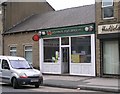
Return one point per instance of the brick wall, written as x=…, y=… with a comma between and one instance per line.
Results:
x=20, y=40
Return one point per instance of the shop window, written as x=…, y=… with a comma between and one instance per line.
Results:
x=13, y=51
x=81, y=49
x=28, y=54
x=51, y=50
x=107, y=9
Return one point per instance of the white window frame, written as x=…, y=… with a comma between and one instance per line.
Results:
x=105, y=7
x=28, y=51
x=12, y=50
x=50, y=39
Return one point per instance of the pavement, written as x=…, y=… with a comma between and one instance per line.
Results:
x=83, y=83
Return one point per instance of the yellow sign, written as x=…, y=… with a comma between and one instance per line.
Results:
x=75, y=58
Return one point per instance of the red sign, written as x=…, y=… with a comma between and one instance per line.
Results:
x=36, y=37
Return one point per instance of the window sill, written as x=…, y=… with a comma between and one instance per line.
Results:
x=107, y=18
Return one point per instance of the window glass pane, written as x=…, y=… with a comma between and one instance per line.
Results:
x=20, y=64
x=108, y=12
x=51, y=50
x=28, y=56
x=28, y=48
x=13, y=51
x=13, y=48
x=65, y=41
x=28, y=53
x=0, y=62
x=81, y=50
x=4, y=64
x=107, y=2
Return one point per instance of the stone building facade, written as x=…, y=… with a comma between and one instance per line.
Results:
x=108, y=38
x=20, y=43
x=66, y=42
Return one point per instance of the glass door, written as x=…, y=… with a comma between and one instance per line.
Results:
x=65, y=59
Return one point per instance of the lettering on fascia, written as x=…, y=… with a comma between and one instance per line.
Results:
x=67, y=31
x=111, y=28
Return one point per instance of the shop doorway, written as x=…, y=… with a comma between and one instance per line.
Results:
x=65, y=60
x=111, y=57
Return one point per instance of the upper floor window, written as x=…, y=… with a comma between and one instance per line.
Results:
x=107, y=9
x=13, y=51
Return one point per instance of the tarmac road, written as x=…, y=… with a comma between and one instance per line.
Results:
x=8, y=89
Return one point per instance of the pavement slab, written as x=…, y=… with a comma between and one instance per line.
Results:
x=87, y=83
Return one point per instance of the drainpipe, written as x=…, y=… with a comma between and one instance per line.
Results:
x=0, y=34
x=4, y=4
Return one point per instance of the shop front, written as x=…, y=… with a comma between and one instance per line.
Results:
x=109, y=36
x=68, y=50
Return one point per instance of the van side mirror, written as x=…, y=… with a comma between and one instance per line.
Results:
x=31, y=66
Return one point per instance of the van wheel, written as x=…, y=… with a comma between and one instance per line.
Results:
x=15, y=83
x=37, y=85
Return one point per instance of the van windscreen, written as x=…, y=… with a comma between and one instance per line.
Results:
x=20, y=64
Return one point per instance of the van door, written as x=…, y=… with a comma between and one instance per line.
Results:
x=6, y=73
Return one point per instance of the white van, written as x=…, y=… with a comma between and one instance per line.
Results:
x=17, y=71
